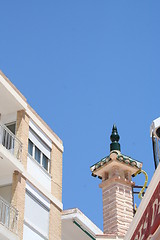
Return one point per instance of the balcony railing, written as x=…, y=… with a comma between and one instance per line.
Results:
x=8, y=216
x=10, y=141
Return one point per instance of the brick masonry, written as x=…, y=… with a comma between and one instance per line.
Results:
x=19, y=182
x=55, y=223
x=56, y=172
x=56, y=190
x=18, y=199
x=117, y=208
x=22, y=133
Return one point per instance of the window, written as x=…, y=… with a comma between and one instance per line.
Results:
x=45, y=162
x=38, y=155
x=11, y=127
x=30, y=147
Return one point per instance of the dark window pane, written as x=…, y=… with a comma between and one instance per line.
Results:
x=45, y=162
x=12, y=127
x=37, y=154
x=30, y=147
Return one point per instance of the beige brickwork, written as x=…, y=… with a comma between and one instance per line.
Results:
x=117, y=208
x=55, y=223
x=19, y=182
x=56, y=172
x=56, y=190
x=117, y=198
x=18, y=199
x=22, y=133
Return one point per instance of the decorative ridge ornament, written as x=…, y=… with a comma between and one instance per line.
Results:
x=115, y=139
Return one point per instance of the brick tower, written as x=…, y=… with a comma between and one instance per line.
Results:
x=115, y=171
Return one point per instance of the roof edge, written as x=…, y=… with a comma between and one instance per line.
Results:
x=29, y=110
x=120, y=157
x=13, y=86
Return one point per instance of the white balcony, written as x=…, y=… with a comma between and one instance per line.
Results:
x=8, y=216
x=10, y=141
x=8, y=221
x=10, y=155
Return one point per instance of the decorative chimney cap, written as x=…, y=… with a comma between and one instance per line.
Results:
x=114, y=139
x=96, y=169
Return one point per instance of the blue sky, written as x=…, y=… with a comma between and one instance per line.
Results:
x=84, y=65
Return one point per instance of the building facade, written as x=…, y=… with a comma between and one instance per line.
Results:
x=146, y=223
x=30, y=171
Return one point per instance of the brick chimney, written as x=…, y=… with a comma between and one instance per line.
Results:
x=115, y=171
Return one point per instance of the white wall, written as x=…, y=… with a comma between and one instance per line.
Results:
x=38, y=173
x=8, y=118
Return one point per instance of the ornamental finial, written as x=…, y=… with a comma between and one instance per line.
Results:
x=114, y=139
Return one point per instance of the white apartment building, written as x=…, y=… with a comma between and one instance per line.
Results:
x=30, y=171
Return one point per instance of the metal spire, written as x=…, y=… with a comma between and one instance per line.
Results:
x=114, y=139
